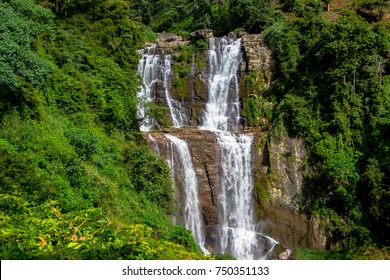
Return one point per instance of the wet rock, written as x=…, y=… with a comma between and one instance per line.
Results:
x=284, y=255
x=232, y=35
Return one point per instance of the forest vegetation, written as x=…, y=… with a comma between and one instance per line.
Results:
x=77, y=180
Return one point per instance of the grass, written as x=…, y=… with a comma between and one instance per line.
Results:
x=366, y=253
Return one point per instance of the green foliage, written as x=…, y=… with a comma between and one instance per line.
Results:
x=295, y=6
x=22, y=23
x=251, y=15
x=149, y=175
x=329, y=82
x=374, y=9
x=97, y=61
x=86, y=144
x=262, y=191
x=257, y=111
x=183, y=16
x=365, y=253
x=43, y=232
x=77, y=180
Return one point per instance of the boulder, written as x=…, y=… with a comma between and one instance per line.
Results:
x=170, y=41
x=202, y=34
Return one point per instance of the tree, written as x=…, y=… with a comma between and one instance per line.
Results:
x=374, y=6
x=327, y=2
x=19, y=63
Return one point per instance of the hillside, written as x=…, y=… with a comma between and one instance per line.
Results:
x=77, y=180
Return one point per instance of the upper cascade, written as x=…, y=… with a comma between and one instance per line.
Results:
x=155, y=68
x=148, y=71
x=222, y=111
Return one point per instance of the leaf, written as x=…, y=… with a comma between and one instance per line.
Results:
x=43, y=241
x=74, y=245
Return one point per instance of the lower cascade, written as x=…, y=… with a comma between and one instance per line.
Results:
x=233, y=227
x=236, y=216
x=192, y=213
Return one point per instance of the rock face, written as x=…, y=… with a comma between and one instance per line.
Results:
x=202, y=34
x=286, y=157
x=258, y=58
x=171, y=41
x=257, y=53
x=192, y=89
x=279, y=176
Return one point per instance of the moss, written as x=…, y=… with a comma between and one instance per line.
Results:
x=257, y=111
x=200, y=59
x=181, y=69
x=255, y=82
x=201, y=44
x=180, y=86
x=288, y=155
x=262, y=190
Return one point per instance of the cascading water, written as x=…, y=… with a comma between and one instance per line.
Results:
x=148, y=71
x=238, y=235
x=236, y=217
x=176, y=110
x=151, y=68
x=223, y=106
x=185, y=169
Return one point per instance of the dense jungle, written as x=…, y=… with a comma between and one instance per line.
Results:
x=77, y=178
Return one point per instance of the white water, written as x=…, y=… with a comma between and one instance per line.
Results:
x=148, y=71
x=153, y=67
x=176, y=110
x=192, y=214
x=223, y=106
x=236, y=217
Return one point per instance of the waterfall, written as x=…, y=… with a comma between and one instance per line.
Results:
x=238, y=232
x=236, y=215
x=176, y=110
x=222, y=114
x=238, y=235
x=223, y=106
x=185, y=169
x=148, y=71
x=153, y=68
